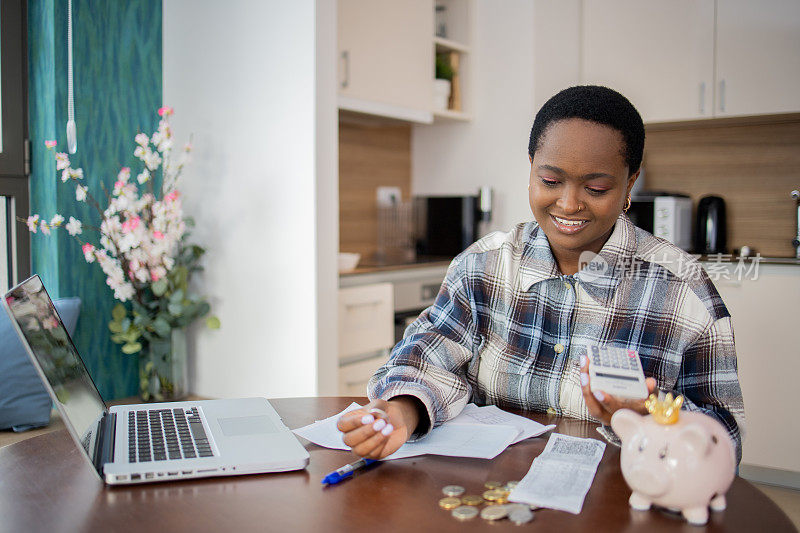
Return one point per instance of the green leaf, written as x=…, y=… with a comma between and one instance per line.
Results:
x=118, y=338
x=203, y=309
x=131, y=348
x=132, y=334
x=148, y=367
x=213, y=322
x=115, y=327
x=118, y=313
x=161, y=327
x=175, y=309
x=160, y=287
x=176, y=297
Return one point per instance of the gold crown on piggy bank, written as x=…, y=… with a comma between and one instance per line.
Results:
x=664, y=411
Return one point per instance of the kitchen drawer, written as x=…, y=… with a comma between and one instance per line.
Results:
x=366, y=319
x=353, y=377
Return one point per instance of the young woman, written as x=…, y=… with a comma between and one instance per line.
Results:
x=513, y=305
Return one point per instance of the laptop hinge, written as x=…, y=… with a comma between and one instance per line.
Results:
x=104, y=449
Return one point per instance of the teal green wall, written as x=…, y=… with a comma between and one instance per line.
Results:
x=117, y=57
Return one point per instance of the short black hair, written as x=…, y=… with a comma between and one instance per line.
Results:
x=596, y=104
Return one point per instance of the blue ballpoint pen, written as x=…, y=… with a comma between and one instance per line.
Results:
x=346, y=471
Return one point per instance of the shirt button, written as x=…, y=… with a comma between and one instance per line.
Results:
x=568, y=286
x=558, y=348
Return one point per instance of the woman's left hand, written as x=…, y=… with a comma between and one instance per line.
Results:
x=602, y=405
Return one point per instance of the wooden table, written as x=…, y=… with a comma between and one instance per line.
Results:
x=46, y=486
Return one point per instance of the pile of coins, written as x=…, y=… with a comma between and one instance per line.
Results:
x=495, y=498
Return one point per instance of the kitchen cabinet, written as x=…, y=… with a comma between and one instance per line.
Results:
x=386, y=58
x=665, y=58
x=764, y=316
x=366, y=333
x=758, y=57
x=658, y=54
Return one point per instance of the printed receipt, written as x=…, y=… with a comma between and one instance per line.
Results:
x=561, y=476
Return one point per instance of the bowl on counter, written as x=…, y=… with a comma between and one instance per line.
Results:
x=348, y=261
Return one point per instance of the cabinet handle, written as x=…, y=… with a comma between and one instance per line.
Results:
x=373, y=303
x=702, y=98
x=346, y=59
x=722, y=95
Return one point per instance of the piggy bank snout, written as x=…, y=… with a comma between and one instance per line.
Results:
x=649, y=481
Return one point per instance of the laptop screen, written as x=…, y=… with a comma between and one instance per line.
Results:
x=49, y=342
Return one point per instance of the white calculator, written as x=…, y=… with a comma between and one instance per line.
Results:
x=617, y=371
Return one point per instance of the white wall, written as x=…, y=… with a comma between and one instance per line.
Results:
x=523, y=52
x=242, y=77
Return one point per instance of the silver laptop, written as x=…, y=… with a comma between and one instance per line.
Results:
x=143, y=443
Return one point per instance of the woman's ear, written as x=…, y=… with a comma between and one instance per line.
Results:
x=632, y=179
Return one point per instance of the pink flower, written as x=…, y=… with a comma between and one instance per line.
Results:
x=166, y=110
x=124, y=174
x=130, y=224
x=88, y=252
x=154, y=275
x=158, y=235
x=33, y=223
x=171, y=197
x=50, y=144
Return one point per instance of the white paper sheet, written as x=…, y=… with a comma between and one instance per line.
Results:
x=467, y=438
x=562, y=475
x=491, y=414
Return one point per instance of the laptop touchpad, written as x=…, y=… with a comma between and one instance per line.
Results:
x=246, y=425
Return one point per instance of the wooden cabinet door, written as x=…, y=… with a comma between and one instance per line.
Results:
x=386, y=51
x=758, y=57
x=660, y=55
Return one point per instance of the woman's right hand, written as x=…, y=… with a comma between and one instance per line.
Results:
x=375, y=438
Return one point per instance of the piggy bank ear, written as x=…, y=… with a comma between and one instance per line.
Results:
x=696, y=437
x=625, y=423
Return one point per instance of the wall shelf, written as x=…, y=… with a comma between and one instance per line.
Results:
x=448, y=45
x=446, y=115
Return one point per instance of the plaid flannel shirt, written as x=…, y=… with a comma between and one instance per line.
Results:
x=503, y=327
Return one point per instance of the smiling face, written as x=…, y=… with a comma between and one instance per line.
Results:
x=578, y=186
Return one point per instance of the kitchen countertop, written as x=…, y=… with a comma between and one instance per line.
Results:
x=370, y=265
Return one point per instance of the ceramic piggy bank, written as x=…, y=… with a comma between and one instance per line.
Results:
x=684, y=461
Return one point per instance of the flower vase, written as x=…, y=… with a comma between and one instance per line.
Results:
x=163, y=370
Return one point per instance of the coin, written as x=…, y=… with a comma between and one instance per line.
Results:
x=472, y=500
x=492, y=495
x=492, y=484
x=464, y=512
x=520, y=515
x=453, y=490
x=494, y=512
x=449, y=503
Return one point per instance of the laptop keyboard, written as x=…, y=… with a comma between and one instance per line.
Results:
x=166, y=434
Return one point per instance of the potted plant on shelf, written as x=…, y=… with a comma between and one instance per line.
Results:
x=442, y=85
x=142, y=248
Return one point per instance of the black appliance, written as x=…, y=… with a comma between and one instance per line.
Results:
x=711, y=227
x=445, y=225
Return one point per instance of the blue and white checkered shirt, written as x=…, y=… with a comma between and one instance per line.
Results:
x=505, y=321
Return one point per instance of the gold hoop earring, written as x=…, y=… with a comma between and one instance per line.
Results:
x=627, y=205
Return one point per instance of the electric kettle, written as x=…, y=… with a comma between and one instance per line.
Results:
x=711, y=227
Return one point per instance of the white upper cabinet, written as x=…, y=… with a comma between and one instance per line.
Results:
x=659, y=54
x=758, y=57
x=386, y=57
